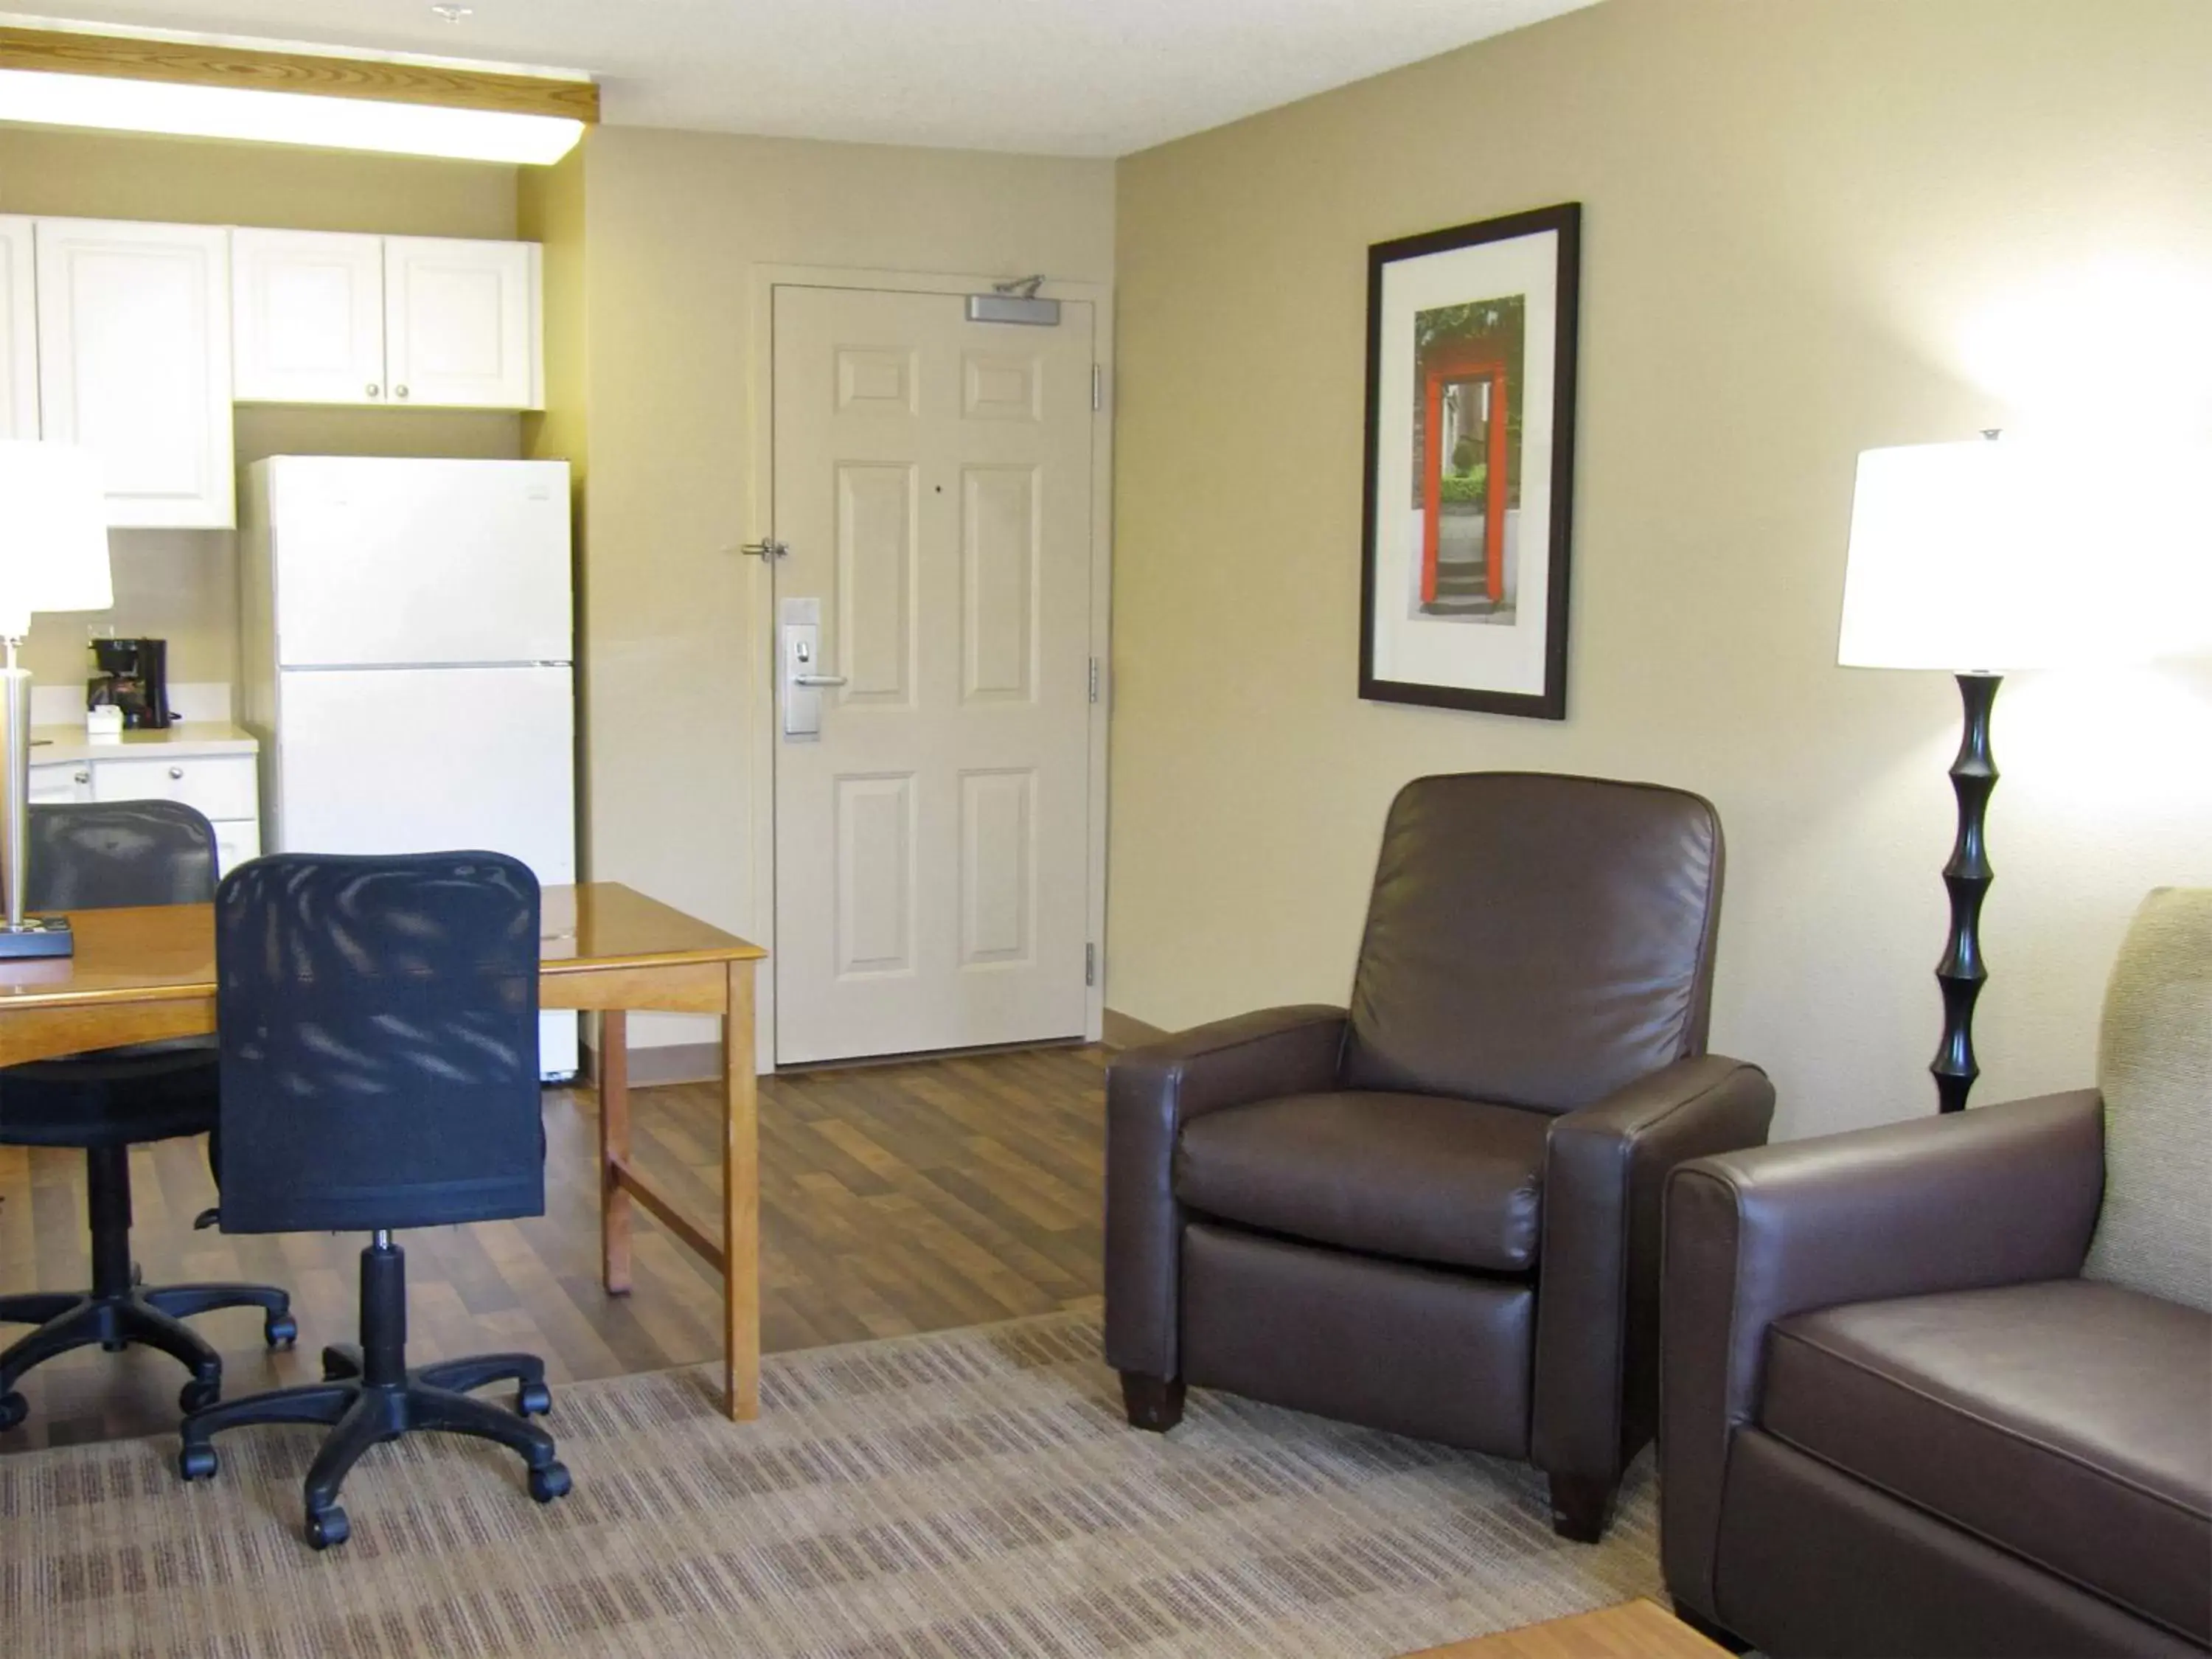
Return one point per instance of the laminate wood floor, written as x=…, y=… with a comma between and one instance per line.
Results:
x=894, y=1198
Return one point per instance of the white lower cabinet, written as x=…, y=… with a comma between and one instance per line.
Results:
x=68, y=780
x=236, y=840
x=223, y=787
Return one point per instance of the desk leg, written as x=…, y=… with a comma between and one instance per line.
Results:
x=614, y=1150
x=741, y=1198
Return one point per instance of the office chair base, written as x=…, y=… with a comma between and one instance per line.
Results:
x=362, y=1414
x=115, y=1319
x=369, y=1396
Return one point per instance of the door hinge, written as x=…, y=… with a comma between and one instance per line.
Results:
x=1090, y=964
x=1097, y=388
x=1094, y=679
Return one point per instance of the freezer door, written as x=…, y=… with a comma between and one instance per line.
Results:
x=425, y=760
x=381, y=561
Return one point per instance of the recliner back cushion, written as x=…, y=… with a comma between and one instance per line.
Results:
x=1535, y=940
x=2155, y=1067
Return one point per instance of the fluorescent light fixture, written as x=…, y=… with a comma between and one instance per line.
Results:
x=284, y=117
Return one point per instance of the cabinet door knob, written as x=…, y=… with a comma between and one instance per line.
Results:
x=82, y=777
x=176, y=771
x=374, y=390
x=399, y=391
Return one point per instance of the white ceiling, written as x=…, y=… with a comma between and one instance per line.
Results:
x=1066, y=77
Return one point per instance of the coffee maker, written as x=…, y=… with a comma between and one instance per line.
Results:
x=134, y=676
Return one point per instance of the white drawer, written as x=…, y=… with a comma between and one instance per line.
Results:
x=220, y=786
x=236, y=840
x=63, y=782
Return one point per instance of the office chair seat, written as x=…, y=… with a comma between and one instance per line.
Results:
x=112, y=1097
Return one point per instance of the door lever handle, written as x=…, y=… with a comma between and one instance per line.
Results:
x=817, y=679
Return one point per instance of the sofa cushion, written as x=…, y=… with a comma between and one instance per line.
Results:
x=2067, y=1422
x=2154, y=1070
x=1418, y=1176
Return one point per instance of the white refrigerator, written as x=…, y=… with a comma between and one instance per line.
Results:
x=409, y=662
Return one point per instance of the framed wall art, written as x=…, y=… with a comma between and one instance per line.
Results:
x=1470, y=465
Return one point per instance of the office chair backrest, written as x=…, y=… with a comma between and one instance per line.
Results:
x=378, y=1019
x=104, y=856
x=1535, y=940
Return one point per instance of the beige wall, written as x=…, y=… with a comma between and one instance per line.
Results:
x=678, y=224
x=1811, y=228
x=182, y=584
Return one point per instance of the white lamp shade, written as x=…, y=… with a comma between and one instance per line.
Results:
x=53, y=533
x=1991, y=555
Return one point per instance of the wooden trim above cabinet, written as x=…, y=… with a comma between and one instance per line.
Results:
x=189, y=63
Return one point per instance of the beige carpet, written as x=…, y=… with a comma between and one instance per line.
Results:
x=968, y=1493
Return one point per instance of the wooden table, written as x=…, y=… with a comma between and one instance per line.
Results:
x=1634, y=1630
x=141, y=974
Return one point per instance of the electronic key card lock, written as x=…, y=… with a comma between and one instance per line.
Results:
x=799, y=638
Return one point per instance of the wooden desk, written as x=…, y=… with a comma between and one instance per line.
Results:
x=1634, y=1630
x=141, y=974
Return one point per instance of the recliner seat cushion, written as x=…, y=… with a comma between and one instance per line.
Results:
x=2067, y=1422
x=1422, y=1177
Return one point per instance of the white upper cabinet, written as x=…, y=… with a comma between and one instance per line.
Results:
x=18, y=332
x=414, y=321
x=307, y=312
x=460, y=323
x=134, y=362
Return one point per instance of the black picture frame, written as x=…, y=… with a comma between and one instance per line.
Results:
x=1483, y=345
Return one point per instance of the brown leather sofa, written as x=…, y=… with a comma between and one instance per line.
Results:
x=1896, y=1420
x=1438, y=1212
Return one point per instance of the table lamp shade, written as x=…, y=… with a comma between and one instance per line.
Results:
x=53, y=534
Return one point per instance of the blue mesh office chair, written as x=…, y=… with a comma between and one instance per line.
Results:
x=378, y=1020
x=107, y=855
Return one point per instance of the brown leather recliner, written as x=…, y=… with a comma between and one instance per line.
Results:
x=1438, y=1213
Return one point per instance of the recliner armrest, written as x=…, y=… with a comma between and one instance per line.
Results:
x=1597, y=1270
x=1230, y=1062
x=1151, y=1093
x=1998, y=1195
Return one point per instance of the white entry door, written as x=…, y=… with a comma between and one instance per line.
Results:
x=932, y=487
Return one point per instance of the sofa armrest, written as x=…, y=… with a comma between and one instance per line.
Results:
x=1151, y=1093
x=1999, y=1195
x=1597, y=1269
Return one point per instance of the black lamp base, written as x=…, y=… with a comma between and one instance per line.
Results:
x=39, y=936
x=1967, y=877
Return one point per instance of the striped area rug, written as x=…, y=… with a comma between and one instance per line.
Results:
x=960, y=1494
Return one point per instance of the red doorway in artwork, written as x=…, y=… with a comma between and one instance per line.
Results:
x=1447, y=363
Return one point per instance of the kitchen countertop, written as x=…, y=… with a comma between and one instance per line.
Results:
x=54, y=745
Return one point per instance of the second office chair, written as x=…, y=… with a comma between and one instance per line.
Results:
x=378, y=1019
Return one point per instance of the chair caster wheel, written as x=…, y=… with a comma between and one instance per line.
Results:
x=280, y=1330
x=13, y=1410
x=200, y=1393
x=533, y=1399
x=196, y=1462
x=549, y=1482
x=326, y=1528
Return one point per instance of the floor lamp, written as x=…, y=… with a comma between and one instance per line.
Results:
x=53, y=557
x=1959, y=562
